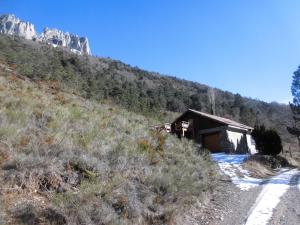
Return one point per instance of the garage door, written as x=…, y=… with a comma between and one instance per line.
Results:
x=212, y=142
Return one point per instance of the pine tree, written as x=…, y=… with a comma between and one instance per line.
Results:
x=295, y=106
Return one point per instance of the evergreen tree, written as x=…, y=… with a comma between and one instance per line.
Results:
x=295, y=106
x=268, y=141
x=258, y=136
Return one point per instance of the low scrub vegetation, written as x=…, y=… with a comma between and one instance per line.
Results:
x=263, y=166
x=68, y=160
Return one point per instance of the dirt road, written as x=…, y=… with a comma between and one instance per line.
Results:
x=288, y=210
x=276, y=201
x=273, y=192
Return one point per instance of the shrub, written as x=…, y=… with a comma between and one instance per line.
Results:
x=272, y=162
x=4, y=153
x=268, y=142
x=27, y=213
x=2, y=216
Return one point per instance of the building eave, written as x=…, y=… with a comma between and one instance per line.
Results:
x=218, y=119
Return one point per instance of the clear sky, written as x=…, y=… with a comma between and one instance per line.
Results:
x=247, y=47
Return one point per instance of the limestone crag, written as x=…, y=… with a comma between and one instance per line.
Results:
x=11, y=25
x=65, y=39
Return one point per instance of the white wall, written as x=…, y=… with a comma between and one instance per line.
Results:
x=251, y=145
x=235, y=138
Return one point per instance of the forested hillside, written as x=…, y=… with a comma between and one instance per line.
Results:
x=136, y=89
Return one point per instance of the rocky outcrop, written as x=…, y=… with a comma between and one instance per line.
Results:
x=65, y=39
x=10, y=24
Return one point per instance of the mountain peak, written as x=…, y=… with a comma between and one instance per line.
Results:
x=11, y=25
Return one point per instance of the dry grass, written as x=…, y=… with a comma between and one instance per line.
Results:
x=94, y=163
x=258, y=169
x=262, y=166
x=293, y=161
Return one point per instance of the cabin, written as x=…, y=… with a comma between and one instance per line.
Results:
x=215, y=133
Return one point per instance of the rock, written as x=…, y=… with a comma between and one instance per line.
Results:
x=75, y=43
x=11, y=25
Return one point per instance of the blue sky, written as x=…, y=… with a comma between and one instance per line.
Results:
x=247, y=47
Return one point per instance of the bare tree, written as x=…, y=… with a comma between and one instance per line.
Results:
x=212, y=100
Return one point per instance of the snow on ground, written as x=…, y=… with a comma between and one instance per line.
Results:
x=231, y=165
x=299, y=183
x=269, y=197
x=271, y=193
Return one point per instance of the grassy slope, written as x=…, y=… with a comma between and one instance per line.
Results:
x=65, y=159
x=136, y=89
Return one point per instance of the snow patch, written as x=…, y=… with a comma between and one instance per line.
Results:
x=299, y=183
x=231, y=165
x=269, y=197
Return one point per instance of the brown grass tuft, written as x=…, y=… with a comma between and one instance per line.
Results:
x=24, y=141
x=258, y=169
x=60, y=98
x=4, y=154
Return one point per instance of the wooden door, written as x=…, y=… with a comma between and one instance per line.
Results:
x=212, y=142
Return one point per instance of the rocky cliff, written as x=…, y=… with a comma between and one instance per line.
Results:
x=10, y=24
x=65, y=39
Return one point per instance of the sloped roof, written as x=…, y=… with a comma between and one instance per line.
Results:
x=222, y=120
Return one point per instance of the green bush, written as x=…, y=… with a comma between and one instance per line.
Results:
x=268, y=142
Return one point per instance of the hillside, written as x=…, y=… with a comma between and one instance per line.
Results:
x=68, y=160
x=135, y=89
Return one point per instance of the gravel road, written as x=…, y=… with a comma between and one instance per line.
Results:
x=230, y=205
x=233, y=206
x=288, y=210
